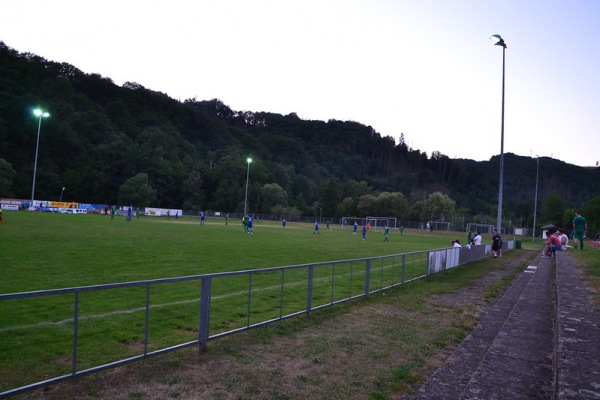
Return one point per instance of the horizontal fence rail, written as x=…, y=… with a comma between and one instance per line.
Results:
x=66, y=333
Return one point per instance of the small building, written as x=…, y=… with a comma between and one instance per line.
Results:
x=550, y=229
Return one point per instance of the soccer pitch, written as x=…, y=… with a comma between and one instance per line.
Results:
x=43, y=251
x=47, y=251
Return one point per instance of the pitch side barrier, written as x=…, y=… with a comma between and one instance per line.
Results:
x=50, y=336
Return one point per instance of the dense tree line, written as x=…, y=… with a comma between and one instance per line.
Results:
x=128, y=144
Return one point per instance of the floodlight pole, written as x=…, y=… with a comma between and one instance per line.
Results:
x=537, y=174
x=61, y=193
x=38, y=113
x=498, y=41
x=249, y=160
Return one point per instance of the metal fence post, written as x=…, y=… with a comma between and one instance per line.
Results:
x=403, y=267
x=204, y=312
x=309, y=288
x=75, y=332
x=147, y=320
x=367, y=276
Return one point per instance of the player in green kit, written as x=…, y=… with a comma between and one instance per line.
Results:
x=245, y=221
x=386, y=234
x=579, y=229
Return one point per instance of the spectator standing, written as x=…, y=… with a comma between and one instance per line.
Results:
x=477, y=238
x=496, y=244
x=579, y=229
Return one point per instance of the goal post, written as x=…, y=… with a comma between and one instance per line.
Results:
x=379, y=223
x=440, y=226
x=481, y=228
x=348, y=222
x=375, y=223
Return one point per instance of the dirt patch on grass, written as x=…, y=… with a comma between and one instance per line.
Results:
x=381, y=348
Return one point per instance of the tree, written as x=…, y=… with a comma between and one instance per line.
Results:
x=347, y=207
x=366, y=205
x=553, y=210
x=591, y=211
x=391, y=205
x=7, y=173
x=271, y=195
x=136, y=191
x=437, y=206
x=192, y=191
x=329, y=197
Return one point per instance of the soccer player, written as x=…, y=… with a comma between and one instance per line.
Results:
x=364, y=232
x=250, y=224
x=386, y=234
x=316, y=228
x=245, y=222
x=202, y=218
x=328, y=223
x=355, y=227
x=283, y=223
x=579, y=230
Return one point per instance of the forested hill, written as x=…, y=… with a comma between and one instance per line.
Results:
x=102, y=139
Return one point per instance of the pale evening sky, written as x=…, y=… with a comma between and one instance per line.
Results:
x=425, y=68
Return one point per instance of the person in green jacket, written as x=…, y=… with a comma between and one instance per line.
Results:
x=579, y=229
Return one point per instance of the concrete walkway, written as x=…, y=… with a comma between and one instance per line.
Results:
x=540, y=340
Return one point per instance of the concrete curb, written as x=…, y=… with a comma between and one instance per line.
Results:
x=540, y=340
x=577, y=359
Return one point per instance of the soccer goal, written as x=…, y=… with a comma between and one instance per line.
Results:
x=379, y=223
x=481, y=228
x=348, y=222
x=439, y=226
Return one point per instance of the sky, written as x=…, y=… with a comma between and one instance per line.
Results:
x=422, y=68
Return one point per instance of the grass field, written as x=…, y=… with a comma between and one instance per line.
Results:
x=43, y=251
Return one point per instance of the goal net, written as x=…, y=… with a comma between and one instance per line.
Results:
x=374, y=223
x=481, y=228
x=379, y=223
x=348, y=222
x=439, y=226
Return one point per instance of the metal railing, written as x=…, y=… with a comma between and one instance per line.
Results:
x=66, y=333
